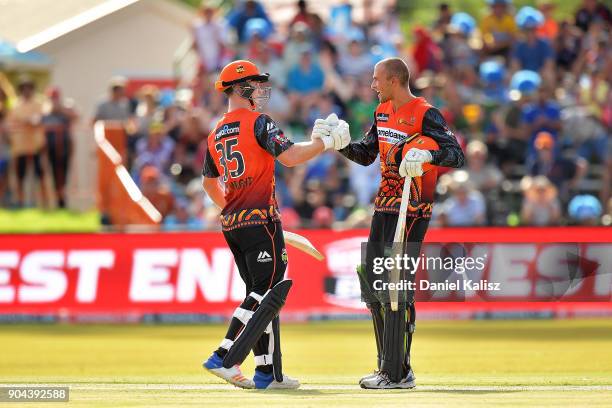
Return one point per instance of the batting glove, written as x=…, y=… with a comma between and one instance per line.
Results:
x=341, y=135
x=332, y=120
x=320, y=129
x=412, y=163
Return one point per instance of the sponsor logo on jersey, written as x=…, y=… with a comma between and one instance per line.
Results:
x=228, y=129
x=271, y=127
x=409, y=122
x=388, y=135
x=284, y=256
x=264, y=256
x=275, y=134
x=382, y=117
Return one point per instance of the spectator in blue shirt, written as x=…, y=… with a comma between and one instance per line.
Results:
x=238, y=18
x=465, y=206
x=532, y=53
x=541, y=115
x=307, y=76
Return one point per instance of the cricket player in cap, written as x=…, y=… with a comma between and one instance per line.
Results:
x=239, y=177
x=412, y=139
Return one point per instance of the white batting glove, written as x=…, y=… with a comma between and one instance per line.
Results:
x=341, y=135
x=320, y=129
x=412, y=163
x=332, y=120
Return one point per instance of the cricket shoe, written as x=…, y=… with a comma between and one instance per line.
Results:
x=371, y=375
x=232, y=375
x=265, y=381
x=382, y=382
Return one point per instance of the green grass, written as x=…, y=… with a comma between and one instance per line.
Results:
x=322, y=355
x=39, y=221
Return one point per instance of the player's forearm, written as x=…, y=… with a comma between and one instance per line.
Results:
x=359, y=153
x=301, y=152
x=450, y=153
x=214, y=191
x=448, y=156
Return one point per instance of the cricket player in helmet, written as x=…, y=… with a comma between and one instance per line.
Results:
x=238, y=175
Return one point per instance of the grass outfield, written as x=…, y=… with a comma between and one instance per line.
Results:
x=458, y=363
x=40, y=221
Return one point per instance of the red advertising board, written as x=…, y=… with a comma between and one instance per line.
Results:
x=133, y=275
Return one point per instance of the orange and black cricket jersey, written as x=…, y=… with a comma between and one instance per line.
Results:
x=415, y=124
x=241, y=150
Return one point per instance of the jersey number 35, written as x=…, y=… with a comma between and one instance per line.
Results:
x=229, y=155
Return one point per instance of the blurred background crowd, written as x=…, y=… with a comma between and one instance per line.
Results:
x=528, y=96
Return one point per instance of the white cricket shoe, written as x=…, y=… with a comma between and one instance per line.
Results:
x=382, y=382
x=371, y=375
x=267, y=382
x=232, y=375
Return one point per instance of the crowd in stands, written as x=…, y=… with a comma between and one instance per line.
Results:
x=528, y=97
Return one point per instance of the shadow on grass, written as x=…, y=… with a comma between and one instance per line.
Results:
x=469, y=392
x=301, y=393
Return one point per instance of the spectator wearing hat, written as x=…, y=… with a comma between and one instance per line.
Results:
x=458, y=54
x=210, y=37
x=540, y=206
x=549, y=27
x=541, y=114
x=155, y=191
x=532, y=52
x=146, y=108
x=58, y=122
x=244, y=11
x=298, y=41
x=465, y=206
x=585, y=210
x=155, y=150
x=492, y=77
x=117, y=106
x=484, y=176
x=498, y=28
x=564, y=173
x=256, y=33
x=27, y=137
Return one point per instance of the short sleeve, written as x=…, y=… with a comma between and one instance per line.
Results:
x=270, y=137
x=210, y=169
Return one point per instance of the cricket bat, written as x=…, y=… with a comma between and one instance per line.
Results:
x=303, y=244
x=394, y=275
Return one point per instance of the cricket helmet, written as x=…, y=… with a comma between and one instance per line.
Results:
x=237, y=72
